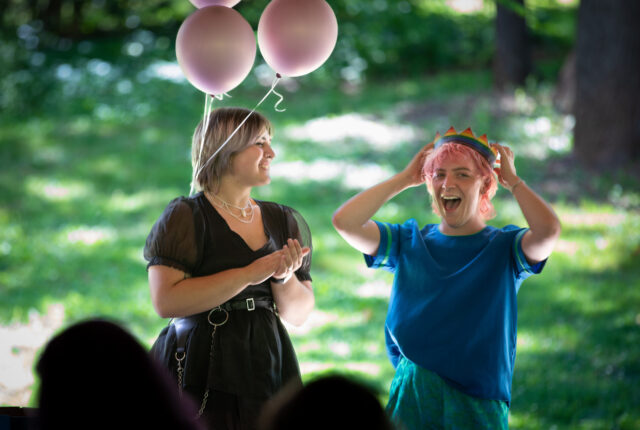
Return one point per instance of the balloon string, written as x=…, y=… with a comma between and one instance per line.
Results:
x=208, y=103
x=279, y=101
x=271, y=90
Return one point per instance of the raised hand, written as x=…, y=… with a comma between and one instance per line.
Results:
x=507, y=171
x=292, y=255
x=412, y=174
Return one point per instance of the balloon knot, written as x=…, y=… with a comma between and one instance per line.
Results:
x=278, y=75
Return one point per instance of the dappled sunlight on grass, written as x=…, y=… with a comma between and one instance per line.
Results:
x=316, y=319
x=57, y=190
x=600, y=240
x=80, y=194
x=340, y=349
x=564, y=336
x=87, y=236
x=122, y=202
x=336, y=130
x=379, y=288
x=364, y=367
x=351, y=176
x=538, y=137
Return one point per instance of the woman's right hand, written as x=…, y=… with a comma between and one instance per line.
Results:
x=413, y=175
x=263, y=268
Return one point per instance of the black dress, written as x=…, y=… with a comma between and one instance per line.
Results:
x=253, y=357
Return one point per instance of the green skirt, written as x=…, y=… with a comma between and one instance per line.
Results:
x=420, y=399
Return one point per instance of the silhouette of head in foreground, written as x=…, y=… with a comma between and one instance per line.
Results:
x=331, y=402
x=96, y=375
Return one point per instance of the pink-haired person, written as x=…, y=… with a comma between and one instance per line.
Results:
x=451, y=324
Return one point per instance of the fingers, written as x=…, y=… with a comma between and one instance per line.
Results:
x=294, y=253
x=506, y=170
x=503, y=150
x=265, y=267
x=426, y=150
x=498, y=173
x=283, y=267
x=291, y=256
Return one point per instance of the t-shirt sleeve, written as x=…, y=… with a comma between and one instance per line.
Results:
x=297, y=228
x=393, y=352
x=523, y=268
x=388, y=249
x=172, y=240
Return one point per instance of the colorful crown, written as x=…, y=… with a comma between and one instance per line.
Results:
x=480, y=144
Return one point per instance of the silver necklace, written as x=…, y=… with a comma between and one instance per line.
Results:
x=226, y=206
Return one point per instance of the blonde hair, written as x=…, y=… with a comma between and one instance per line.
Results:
x=457, y=151
x=220, y=124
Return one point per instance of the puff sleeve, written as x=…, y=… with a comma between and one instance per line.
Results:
x=297, y=228
x=173, y=240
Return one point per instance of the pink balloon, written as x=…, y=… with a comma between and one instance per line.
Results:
x=204, y=3
x=297, y=36
x=216, y=48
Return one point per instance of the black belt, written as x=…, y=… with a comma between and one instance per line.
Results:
x=184, y=325
x=250, y=304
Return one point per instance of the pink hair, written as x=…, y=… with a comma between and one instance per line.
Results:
x=458, y=151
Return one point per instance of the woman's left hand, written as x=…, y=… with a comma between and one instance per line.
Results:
x=292, y=255
x=507, y=171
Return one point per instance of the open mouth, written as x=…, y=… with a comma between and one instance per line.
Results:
x=451, y=203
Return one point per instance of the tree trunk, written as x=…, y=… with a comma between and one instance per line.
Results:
x=512, y=60
x=51, y=16
x=564, y=95
x=78, y=17
x=3, y=9
x=607, y=130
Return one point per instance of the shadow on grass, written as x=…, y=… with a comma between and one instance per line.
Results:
x=578, y=360
x=80, y=194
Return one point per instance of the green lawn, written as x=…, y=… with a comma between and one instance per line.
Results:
x=83, y=179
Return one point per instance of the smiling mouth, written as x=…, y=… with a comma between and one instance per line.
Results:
x=450, y=203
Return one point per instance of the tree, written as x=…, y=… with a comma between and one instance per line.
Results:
x=512, y=60
x=607, y=109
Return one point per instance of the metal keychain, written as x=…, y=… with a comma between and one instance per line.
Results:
x=213, y=333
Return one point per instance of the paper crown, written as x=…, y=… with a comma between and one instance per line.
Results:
x=480, y=144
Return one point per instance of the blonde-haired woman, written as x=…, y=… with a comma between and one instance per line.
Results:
x=227, y=267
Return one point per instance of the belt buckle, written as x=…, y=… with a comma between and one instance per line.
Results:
x=251, y=304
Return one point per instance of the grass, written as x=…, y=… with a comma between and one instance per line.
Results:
x=82, y=183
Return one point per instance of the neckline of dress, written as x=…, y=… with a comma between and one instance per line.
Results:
x=226, y=224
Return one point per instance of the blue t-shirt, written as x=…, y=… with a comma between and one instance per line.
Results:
x=453, y=305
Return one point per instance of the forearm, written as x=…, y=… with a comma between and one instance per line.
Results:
x=176, y=296
x=542, y=220
x=362, y=207
x=352, y=220
x=295, y=300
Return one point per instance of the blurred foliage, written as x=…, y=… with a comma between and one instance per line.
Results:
x=94, y=141
x=82, y=182
x=377, y=40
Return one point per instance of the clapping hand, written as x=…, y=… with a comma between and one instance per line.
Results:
x=292, y=254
